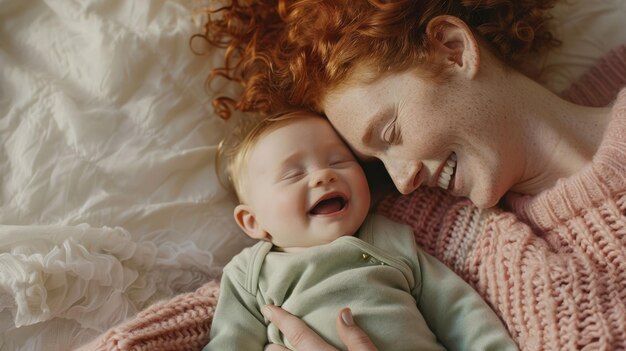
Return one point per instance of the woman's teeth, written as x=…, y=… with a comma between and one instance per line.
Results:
x=447, y=172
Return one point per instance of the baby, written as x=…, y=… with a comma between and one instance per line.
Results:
x=305, y=197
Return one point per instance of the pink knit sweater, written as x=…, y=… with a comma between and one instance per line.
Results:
x=553, y=267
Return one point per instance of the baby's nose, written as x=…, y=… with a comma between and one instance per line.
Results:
x=322, y=176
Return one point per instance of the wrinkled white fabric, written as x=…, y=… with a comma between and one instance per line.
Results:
x=76, y=271
x=108, y=193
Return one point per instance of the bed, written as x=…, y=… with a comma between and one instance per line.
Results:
x=109, y=198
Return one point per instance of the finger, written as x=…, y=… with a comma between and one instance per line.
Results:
x=351, y=335
x=300, y=336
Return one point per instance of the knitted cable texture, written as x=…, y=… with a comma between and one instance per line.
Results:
x=598, y=87
x=179, y=324
x=554, y=268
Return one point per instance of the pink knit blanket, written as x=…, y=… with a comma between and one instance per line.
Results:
x=183, y=322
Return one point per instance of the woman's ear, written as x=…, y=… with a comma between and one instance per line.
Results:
x=246, y=219
x=454, y=44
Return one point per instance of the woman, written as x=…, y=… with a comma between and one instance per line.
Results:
x=433, y=89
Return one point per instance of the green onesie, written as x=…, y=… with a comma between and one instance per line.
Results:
x=402, y=297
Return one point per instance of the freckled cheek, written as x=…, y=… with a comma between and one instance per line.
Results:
x=420, y=146
x=427, y=126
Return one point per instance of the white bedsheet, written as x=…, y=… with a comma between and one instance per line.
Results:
x=108, y=193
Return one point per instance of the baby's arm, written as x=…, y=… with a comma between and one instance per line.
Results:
x=455, y=312
x=238, y=323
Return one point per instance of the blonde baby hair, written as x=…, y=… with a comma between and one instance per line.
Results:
x=234, y=150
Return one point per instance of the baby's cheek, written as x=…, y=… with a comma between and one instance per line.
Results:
x=288, y=202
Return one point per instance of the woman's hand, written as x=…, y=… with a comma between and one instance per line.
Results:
x=305, y=339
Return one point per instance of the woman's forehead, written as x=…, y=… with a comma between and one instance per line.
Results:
x=351, y=120
x=361, y=103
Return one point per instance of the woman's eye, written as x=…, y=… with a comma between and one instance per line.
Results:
x=390, y=134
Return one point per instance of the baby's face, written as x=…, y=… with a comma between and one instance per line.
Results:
x=304, y=186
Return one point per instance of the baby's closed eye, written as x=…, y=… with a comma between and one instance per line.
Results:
x=291, y=174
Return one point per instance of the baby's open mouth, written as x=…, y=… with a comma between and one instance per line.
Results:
x=328, y=205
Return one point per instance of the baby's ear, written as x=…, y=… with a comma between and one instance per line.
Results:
x=246, y=219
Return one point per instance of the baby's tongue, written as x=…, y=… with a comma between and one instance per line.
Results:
x=327, y=206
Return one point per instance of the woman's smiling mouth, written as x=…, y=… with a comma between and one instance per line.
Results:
x=446, y=176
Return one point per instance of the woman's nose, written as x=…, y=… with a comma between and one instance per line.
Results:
x=405, y=174
x=322, y=177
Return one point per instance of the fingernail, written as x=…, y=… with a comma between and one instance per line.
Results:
x=346, y=315
x=266, y=312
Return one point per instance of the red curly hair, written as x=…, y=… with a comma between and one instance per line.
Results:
x=288, y=54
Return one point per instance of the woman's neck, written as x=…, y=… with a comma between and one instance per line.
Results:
x=560, y=137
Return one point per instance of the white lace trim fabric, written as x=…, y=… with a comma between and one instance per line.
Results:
x=95, y=277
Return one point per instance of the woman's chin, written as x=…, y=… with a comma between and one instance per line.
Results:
x=484, y=205
x=485, y=199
